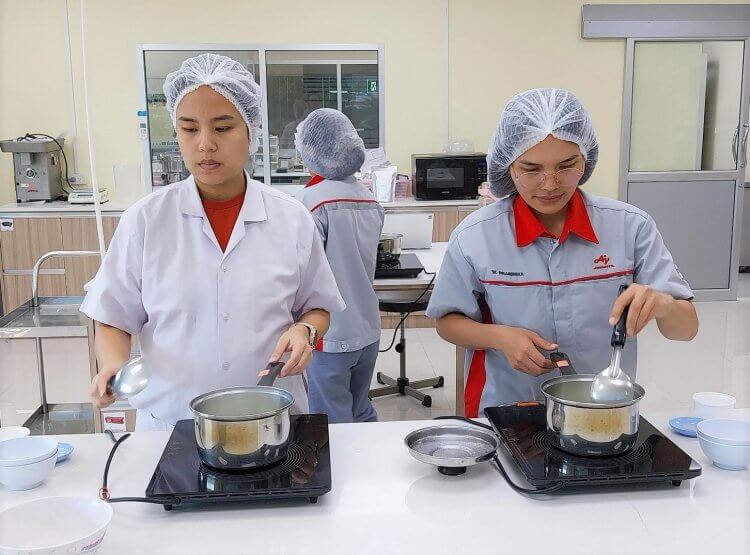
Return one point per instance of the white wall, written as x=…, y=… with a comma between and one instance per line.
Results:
x=496, y=49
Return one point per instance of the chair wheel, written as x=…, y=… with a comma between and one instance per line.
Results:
x=427, y=401
x=440, y=383
x=379, y=379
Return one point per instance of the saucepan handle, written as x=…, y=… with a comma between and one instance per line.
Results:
x=563, y=363
x=270, y=373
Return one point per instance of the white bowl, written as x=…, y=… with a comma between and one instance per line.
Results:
x=26, y=450
x=70, y=525
x=12, y=432
x=728, y=457
x=726, y=432
x=709, y=405
x=27, y=476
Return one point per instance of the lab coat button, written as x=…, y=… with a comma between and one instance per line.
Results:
x=225, y=316
x=225, y=366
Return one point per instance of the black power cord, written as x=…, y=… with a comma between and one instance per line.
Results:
x=104, y=494
x=555, y=486
x=30, y=136
x=411, y=309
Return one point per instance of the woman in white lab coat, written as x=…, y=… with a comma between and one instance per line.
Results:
x=217, y=274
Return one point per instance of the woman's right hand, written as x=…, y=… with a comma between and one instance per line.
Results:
x=521, y=348
x=98, y=389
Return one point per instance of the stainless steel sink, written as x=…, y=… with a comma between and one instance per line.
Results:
x=54, y=317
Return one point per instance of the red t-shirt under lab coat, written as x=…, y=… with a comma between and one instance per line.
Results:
x=222, y=215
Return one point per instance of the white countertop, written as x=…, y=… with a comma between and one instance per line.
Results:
x=58, y=207
x=430, y=258
x=414, y=203
x=384, y=501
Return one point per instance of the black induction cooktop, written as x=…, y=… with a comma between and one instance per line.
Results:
x=405, y=266
x=304, y=473
x=654, y=457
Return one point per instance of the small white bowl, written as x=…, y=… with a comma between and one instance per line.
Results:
x=727, y=457
x=709, y=405
x=69, y=525
x=21, y=477
x=12, y=432
x=26, y=450
x=726, y=432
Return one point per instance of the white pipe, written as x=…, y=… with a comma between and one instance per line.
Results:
x=71, y=89
x=446, y=73
x=89, y=128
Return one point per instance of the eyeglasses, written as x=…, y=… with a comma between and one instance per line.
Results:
x=567, y=177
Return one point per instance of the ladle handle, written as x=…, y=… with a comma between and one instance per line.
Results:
x=111, y=385
x=619, y=332
x=271, y=372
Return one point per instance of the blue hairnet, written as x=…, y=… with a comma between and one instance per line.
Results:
x=329, y=145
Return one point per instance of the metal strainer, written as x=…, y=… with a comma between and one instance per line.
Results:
x=451, y=448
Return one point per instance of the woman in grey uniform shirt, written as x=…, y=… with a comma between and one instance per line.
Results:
x=540, y=269
x=349, y=221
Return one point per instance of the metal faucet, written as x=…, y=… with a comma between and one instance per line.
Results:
x=42, y=259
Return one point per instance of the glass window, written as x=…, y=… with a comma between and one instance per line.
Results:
x=686, y=105
x=296, y=83
x=166, y=162
x=300, y=81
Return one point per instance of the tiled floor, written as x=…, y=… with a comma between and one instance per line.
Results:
x=718, y=359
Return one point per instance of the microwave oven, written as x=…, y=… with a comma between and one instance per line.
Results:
x=448, y=176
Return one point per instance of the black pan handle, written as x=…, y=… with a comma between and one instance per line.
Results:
x=619, y=332
x=563, y=363
x=271, y=372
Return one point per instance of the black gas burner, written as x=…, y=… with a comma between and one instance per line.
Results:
x=654, y=457
x=304, y=473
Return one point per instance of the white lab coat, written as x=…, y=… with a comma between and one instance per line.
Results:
x=209, y=319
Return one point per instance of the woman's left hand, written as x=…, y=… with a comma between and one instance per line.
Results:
x=296, y=340
x=645, y=304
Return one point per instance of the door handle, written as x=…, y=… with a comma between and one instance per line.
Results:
x=734, y=144
x=743, y=144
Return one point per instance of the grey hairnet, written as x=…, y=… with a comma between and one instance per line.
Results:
x=227, y=77
x=329, y=145
x=527, y=119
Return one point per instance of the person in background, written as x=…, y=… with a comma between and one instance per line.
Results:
x=217, y=274
x=540, y=269
x=349, y=222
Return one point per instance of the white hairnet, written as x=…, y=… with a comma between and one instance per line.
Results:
x=526, y=121
x=227, y=77
x=329, y=145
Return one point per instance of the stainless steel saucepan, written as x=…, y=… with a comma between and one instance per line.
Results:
x=581, y=426
x=389, y=247
x=240, y=428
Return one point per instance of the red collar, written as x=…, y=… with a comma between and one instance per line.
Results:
x=529, y=228
x=314, y=180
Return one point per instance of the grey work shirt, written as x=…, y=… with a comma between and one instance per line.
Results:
x=349, y=220
x=561, y=289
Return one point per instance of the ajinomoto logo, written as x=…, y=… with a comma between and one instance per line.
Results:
x=602, y=262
